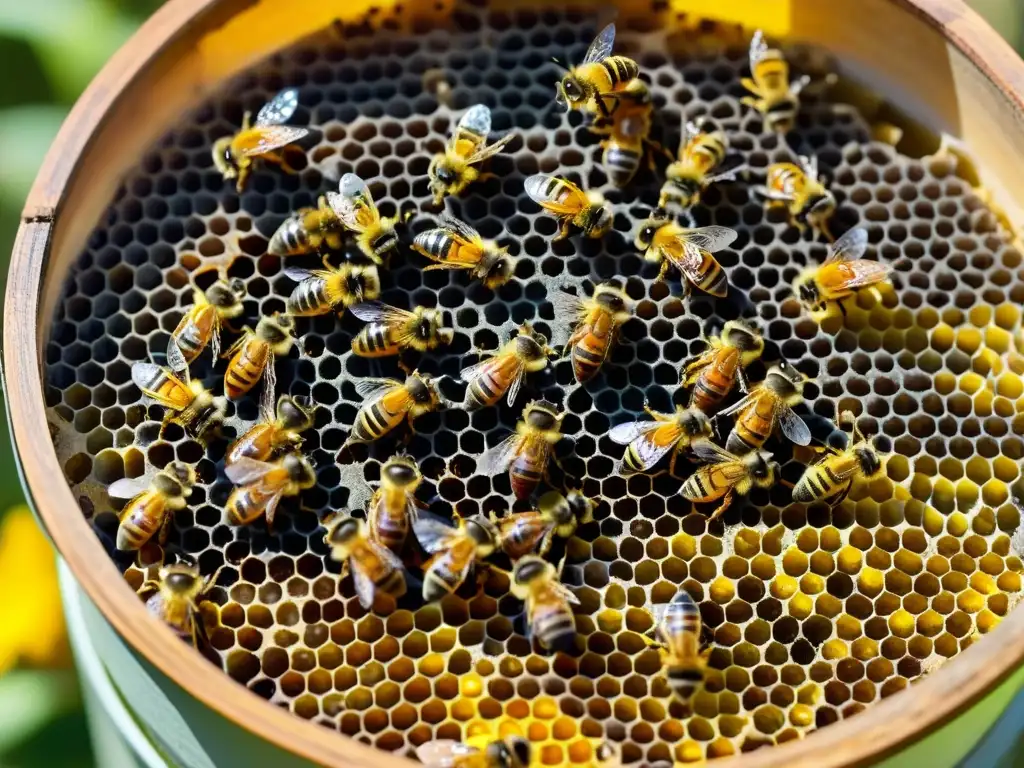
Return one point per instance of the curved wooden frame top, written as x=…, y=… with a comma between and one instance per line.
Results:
x=189, y=46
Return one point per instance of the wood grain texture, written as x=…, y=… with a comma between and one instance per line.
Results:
x=167, y=53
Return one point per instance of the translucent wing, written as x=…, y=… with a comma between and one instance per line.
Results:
x=273, y=137
x=128, y=487
x=176, y=360
x=246, y=471
x=489, y=150
x=279, y=109
x=459, y=230
x=475, y=371
x=363, y=584
x=689, y=262
x=214, y=343
x=798, y=85
x=353, y=203
x=513, y=388
x=497, y=458
x=690, y=131
x=298, y=275
x=850, y=246
x=710, y=239
x=373, y=389
x=793, y=427
x=144, y=374
x=773, y=194
x=728, y=175
x=601, y=48
x=433, y=535
x=267, y=396
x=745, y=402
x=477, y=119
x=624, y=434
x=389, y=557
x=859, y=274
x=540, y=189
x=443, y=753
x=810, y=166
x=649, y=452
x=379, y=312
x=708, y=452
x=566, y=305
x=758, y=48
x=565, y=593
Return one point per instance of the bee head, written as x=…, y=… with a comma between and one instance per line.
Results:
x=742, y=337
x=649, y=229
x=292, y=415
x=500, y=270
x=821, y=207
x=183, y=473
x=761, y=466
x=530, y=568
x=784, y=380
x=612, y=298
x=483, y=532
x=571, y=90
x=442, y=172
x=275, y=329
x=556, y=508
x=401, y=471
x=344, y=531
x=224, y=158
x=582, y=507
x=511, y=752
x=181, y=579
x=363, y=282
x=420, y=388
x=300, y=471
x=694, y=422
x=226, y=295
x=429, y=324
x=540, y=414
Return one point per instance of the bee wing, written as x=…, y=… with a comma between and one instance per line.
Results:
x=810, y=166
x=374, y=389
x=460, y=230
x=128, y=487
x=566, y=305
x=363, y=583
x=433, y=535
x=690, y=131
x=379, y=312
x=517, y=380
x=792, y=426
x=176, y=359
x=144, y=373
x=279, y=109
x=849, y=247
x=649, y=453
x=539, y=188
x=497, y=458
x=298, y=275
x=725, y=174
x=273, y=137
x=710, y=239
x=443, y=753
x=565, y=593
x=758, y=48
x=624, y=434
x=246, y=471
x=773, y=194
x=476, y=119
x=601, y=48
x=267, y=397
x=710, y=453
x=353, y=202
x=689, y=261
x=489, y=150
x=862, y=273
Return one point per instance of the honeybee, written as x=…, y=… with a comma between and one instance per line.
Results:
x=535, y=531
x=456, y=245
x=525, y=453
x=308, y=230
x=843, y=274
x=678, y=635
x=549, y=603
x=188, y=402
x=628, y=131
x=394, y=503
x=701, y=153
x=690, y=251
x=354, y=206
x=260, y=486
x=455, y=551
x=175, y=599
x=714, y=372
x=597, y=323
x=275, y=432
x=321, y=291
x=510, y=752
x=201, y=323
x=374, y=567
x=773, y=95
x=601, y=77
x=588, y=211
x=387, y=402
x=649, y=441
x=252, y=357
x=451, y=171
x=504, y=370
x=800, y=190
x=727, y=475
x=770, y=403
x=152, y=503
x=832, y=476
x=392, y=330
x=233, y=156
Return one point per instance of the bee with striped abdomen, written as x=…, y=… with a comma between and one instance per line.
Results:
x=188, y=402
x=509, y=752
x=394, y=505
x=389, y=402
x=842, y=275
x=454, y=551
x=831, y=477
x=714, y=372
x=175, y=598
x=152, y=504
x=252, y=357
x=353, y=204
x=308, y=230
x=374, y=568
x=800, y=190
x=331, y=289
x=234, y=155
x=649, y=441
x=391, y=331
x=526, y=452
x=504, y=370
x=665, y=242
x=260, y=486
x=451, y=171
x=772, y=93
x=628, y=131
x=599, y=79
x=678, y=635
x=597, y=321
x=201, y=324
x=456, y=245
x=275, y=432
x=549, y=615
x=556, y=515
x=702, y=155
x=588, y=211
x=768, y=405
x=726, y=475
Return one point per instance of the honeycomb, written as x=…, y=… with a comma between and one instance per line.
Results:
x=810, y=614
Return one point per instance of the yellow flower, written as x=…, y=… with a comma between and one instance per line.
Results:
x=32, y=630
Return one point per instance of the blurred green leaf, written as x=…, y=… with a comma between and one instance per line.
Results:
x=29, y=699
x=25, y=135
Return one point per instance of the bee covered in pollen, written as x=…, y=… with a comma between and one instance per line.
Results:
x=690, y=251
x=801, y=191
x=504, y=370
x=202, y=322
x=509, y=752
x=454, y=551
x=832, y=476
x=768, y=405
x=556, y=515
x=393, y=505
x=188, y=402
x=526, y=452
x=596, y=84
x=353, y=204
x=260, y=486
x=842, y=275
x=726, y=475
x=588, y=211
x=331, y=289
x=455, y=245
x=152, y=504
x=678, y=637
x=700, y=163
x=647, y=442
x=308, y=230
x=263, y=140
x=596, y=321
x=176, y=596
x=252, y=357
x=389, y=402
x=375, y=569
x=772, y=93
x=391, y=331
x=276, y=432
x=549, y=615
x=714, y=372
x=451, y=171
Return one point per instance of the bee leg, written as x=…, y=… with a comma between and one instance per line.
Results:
x=676, y=453
x=564, y=231
x=841, y=497
x=741, y=376
x=165, y=528
x=663, y=271
x=726, y=501
x=148, y=584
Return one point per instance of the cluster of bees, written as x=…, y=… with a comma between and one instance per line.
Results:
x=266, y=463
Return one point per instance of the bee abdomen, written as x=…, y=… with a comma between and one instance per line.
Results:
x=245, y=369
x=525, y=474
x=747, y=436
x=384, y=242
x=373, y=422
x=487, y=389
x=817, y=483
x=631, y=461
x=243, y=506
x=435, y=242
x=587, y=359
x=684, y=681
x=620, y=69
x=309, y=298
x=555, y=627
x=440, y=581
x=138, y=525
x=290, y=239
x=374, y=341
x=392, y=583
x=621, y=163
x=391, y=530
